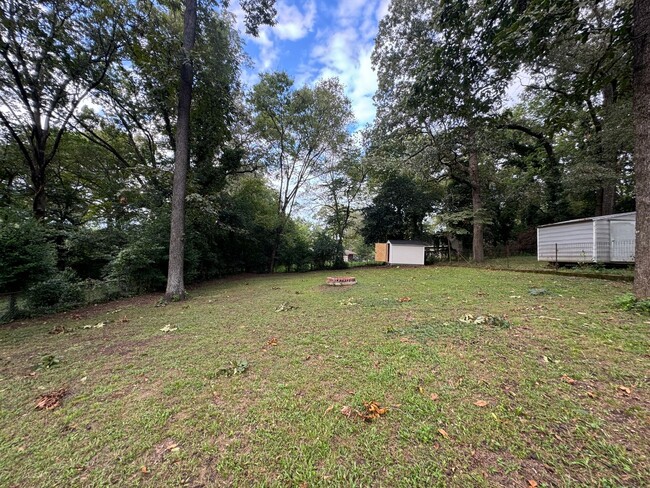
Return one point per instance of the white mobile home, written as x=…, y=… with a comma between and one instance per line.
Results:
x=604, y=239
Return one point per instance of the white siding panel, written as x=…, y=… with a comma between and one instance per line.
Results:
x=405, y=254
x=574, y=242
x=602, y=241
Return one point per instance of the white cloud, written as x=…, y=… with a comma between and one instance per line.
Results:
x=292, y=23
x=345, y=51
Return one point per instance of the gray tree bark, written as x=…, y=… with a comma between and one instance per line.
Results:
x=641, y=102
x=477, y=203
x=175, y=271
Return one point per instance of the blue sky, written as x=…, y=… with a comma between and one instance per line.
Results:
x=316, y=39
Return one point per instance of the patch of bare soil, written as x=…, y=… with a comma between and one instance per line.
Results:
x=489, y=464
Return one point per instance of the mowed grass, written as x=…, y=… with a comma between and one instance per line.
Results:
x=566, y=386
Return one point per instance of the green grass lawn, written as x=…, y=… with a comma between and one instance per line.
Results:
x=531, y=263
x=565, y=387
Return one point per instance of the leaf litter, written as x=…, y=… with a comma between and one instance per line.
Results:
x=51, y=400
x=372, y=411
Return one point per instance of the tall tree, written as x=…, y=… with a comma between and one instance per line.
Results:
x=52, y=55
x=641, y=36
x=175, y=274
x=342, y=186
x=258, y=11
x=435, y=77
x=297, y=129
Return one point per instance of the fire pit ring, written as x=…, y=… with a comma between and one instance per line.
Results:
x=341, y=280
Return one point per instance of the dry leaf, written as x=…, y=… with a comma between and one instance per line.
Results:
x=625, y=389
x=433, y=396
x=329, y=409
x=346, y=410
x=51, y=400
x=421, y=390
x=443, y=433
x=480, y=403
x=567, y=379
x=591, y=395
x=404, y=299
x=273, y=341
x=532, y=484
x=373, y=411
x=144, y=469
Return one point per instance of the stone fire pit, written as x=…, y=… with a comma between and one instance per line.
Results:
x=341, y=280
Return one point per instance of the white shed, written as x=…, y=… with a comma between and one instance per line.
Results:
x=406, y=252
x=604, y=239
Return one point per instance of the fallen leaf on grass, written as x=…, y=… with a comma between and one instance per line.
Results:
x=168, y=328
x=273, y=341
x=329, y=409
x=347, y=411
x=373, y=411
x=480, y=403
x=532, y=484
x=51, y=400
x=591, y=395
x=144, y=469
x=433, y=396
x=96, y=326
x=567, y=379
x=283, y=307
x=625, y=389
x=404, y=299
x=443, y=433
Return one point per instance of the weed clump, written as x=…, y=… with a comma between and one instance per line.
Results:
x=630, y=303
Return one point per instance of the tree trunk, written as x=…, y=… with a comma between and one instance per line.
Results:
x=477, y=204
x=608, y=190
x=641, y=101
x=175, y=273
x=39, y=201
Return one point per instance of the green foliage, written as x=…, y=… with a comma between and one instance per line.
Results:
x=399, y=209
x=630, y=303
x=233, y=368
x=49, y=361
x=26, y=254
x=142, y=265
x=326, y=251
x=60, y=291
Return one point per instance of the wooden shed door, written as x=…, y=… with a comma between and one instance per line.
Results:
x=381, y=252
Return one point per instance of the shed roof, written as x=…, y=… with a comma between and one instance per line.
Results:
x=347, y=251
x=591, y=219
x=399, y=242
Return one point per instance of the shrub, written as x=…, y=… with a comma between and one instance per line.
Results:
x=60, y=291
x=631, y=303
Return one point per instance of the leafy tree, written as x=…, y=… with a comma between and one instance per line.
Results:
x=398, y=210
x=342, y=186
x=437, y=84
x=26, y=256
x=52, y=55
x=327, y=251
x=257, y=11
x=298, y=129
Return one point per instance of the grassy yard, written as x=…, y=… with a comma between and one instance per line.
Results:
x=559, y=398
x=531, y=263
